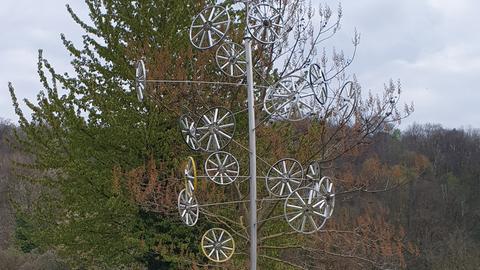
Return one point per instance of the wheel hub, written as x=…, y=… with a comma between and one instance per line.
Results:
x=286, y=178
x=213, y=127
x=207, y=25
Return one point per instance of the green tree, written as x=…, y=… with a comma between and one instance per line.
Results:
x=86, y=124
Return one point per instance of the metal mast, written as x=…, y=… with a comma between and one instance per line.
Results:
x=252, y=154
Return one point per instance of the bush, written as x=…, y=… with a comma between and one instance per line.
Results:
x=15, y=260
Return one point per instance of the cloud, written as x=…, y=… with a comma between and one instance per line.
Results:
x=431, y=45
x=27, y=26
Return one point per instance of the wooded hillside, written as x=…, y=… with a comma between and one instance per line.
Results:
x=437, y=211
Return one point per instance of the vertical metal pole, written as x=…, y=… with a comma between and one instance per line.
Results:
x=252, y=155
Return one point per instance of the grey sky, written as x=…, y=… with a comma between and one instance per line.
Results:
x=433, y=46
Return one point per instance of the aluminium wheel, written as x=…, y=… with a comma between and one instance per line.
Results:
x=209, y=27
x=304, y=210
x=318, y=83
x=347, y=100
x=190, y=175
x=327, y=190
x=189, y=131
x=284, y=177
x=188, y=208
x=140, y=79
x=291, y=98
x=231, y=59
x=313, y=174
x=218, y=245
x=215, y=129
x=265, y=23
x=222, y=168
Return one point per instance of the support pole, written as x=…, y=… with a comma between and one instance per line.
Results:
x=252, y=155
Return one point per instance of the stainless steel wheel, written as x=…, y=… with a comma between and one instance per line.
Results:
x=188, y=208
x=215, y=129
x=304, y=210
x=190, y=175
x=265, y=23
x=290, y=99
x=231, y=59
x=313, y=174
x=222, y=168
x=284, y=177
x=189, y=131
x=318, y=83
x=327, y=190
x=140, y=79
x=209, y=27
x=218, y=245
x=347, y=100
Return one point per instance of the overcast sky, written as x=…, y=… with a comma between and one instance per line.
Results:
x=432, y=46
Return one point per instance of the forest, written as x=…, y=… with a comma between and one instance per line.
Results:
x=92, y=171
x=436, y=209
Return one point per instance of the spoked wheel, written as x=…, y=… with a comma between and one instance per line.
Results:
x=189, y=132
x=304, y=210
x=209, y=27
x=140, y=79
x=215, y=129
x=327, y=190
x=313, y=174
x=265, y=23
x=188, y=208
x=290, y=98
x=284, y=177
x=190, y=174
x=347, y=100
x=392, y=101
x=222, y=168
x=218, y=245
x=318, y=83
x=231, y=59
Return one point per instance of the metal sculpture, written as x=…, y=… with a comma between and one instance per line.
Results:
x=292, y=98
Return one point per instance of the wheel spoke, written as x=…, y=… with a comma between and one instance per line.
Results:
x=296, y=216
x=219, y=15
x=294, y=206
x=304, y=219
x=314, y=224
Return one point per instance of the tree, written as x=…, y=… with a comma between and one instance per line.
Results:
x=84, y=126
